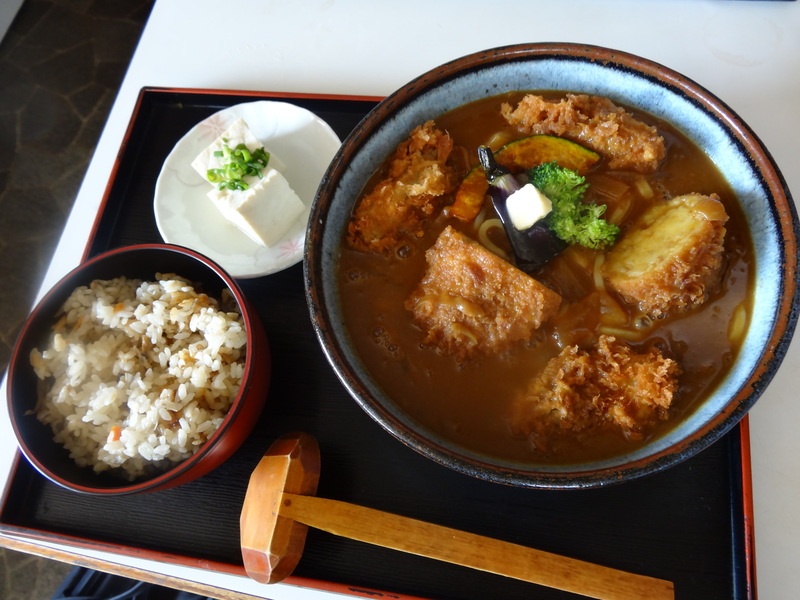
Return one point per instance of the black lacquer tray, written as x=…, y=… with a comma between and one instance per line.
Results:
x=691, y=524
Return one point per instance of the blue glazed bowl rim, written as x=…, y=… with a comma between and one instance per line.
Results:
x=625, y=78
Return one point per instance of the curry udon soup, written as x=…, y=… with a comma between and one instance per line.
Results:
x=482, y=353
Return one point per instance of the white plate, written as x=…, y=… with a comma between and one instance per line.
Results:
x=303, y=142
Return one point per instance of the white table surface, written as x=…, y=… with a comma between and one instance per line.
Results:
x=746, y=52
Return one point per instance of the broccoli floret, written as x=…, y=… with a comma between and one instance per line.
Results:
x=571, y=219
x=559, y=184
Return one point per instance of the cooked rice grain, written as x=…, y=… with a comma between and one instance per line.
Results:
x=139, y=373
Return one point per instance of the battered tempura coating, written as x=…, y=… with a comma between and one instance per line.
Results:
x=671, y=257
x=418, y=184
x=471, y=301
x=595, y=122
x=610, y=386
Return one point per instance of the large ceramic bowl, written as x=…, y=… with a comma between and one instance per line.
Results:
x=138, y=262
x=629, y=80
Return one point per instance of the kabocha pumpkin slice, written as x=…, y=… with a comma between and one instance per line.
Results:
x=520, y=155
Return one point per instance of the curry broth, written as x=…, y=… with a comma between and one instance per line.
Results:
x=470, y=404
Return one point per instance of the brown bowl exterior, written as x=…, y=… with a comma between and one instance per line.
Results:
x=142, y=261
x=622, y=77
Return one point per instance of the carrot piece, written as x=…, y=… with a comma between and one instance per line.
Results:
x=115, y=433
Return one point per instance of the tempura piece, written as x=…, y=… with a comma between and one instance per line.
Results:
x=610, y=386
x=418, y=185
x=471, y=301
x=596, y=122
x=672, y=256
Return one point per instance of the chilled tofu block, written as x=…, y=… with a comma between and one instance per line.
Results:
x=237, y=133
x=265, y=211
x=267, y=206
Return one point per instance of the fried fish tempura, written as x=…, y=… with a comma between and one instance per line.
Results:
x=595, y=122
x=419, y=183
x=671, y=257
x=610, y=386
x=472, y=301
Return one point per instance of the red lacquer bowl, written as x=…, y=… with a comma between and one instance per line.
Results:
x=141, y=262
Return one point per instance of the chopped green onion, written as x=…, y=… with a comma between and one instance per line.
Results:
x=239, y=163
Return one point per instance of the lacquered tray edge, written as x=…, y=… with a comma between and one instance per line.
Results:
x=748, y=510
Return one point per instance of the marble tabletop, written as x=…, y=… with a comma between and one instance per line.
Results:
x=745, y=52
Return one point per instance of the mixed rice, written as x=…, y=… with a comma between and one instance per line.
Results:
x=139, y=374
